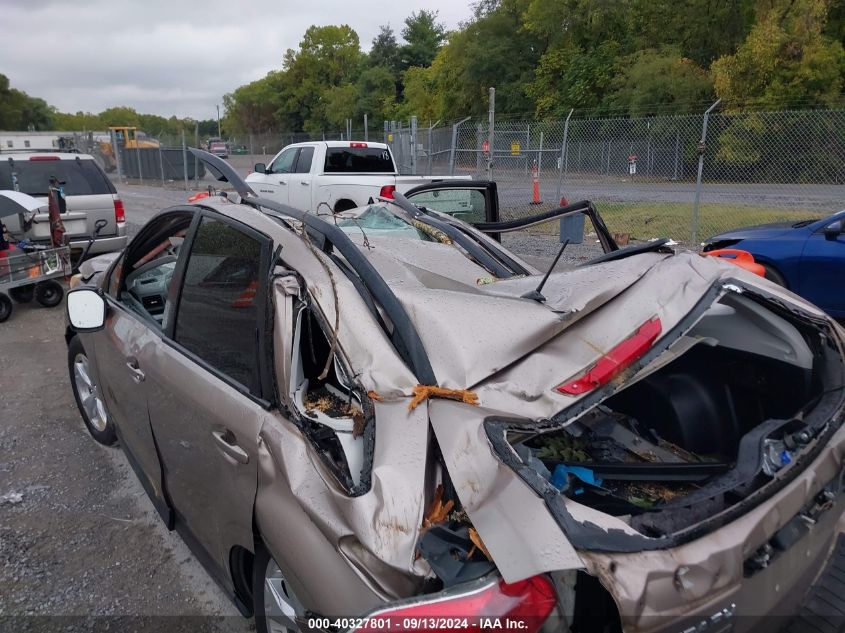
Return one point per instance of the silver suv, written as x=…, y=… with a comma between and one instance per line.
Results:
x=89, y=194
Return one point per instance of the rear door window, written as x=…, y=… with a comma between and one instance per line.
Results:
x=358, y=160
x=218, y=317
x=303, y=163
x=80, y=177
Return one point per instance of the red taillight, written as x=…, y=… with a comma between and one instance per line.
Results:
x=357, y=145
x=387, y=192
x=43, y=157
x=522, y=606
x=611, y=364
x=119, y=212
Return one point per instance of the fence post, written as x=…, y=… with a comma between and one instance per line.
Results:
x=454, y=145
x=701, y=145
x=414, y=145
x=138, y=156
x=161, y=163
x=540, y=156
x=491, y=116
x=196, y=144
x=185, y=159
x=563, y=154
x=677, y=143
x=366, y=129
x=386, y=126
x=430, y=129
x=117, y=159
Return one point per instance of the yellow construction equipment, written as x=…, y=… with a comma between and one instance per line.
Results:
x=127, y=136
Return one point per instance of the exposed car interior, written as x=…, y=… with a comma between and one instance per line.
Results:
x=325, y=400
x=672, y=448
x=150, y=268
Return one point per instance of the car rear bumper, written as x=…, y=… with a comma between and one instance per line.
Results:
x=101, y=244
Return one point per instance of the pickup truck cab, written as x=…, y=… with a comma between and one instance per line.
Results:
x=332, y=176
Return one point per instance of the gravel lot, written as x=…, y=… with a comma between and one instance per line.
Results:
x=83, y=549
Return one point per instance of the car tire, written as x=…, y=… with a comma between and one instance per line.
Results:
x=49, y=293
x=88, y=397
x=774, y=276
x=274, y=604
x=22, y=294
x=5, y=307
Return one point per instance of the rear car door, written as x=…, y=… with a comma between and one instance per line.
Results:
x=473, y=202
x=823, y=269
x=274, y=182
x=299, y=187
x=210, y=398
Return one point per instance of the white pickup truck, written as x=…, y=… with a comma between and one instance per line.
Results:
x=333, y=175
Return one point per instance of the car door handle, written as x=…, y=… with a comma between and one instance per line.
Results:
x=227, y=443
x=282, y=182
x=137, y=374
x=304, y=182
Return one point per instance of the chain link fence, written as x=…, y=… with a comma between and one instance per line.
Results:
x=687, y=177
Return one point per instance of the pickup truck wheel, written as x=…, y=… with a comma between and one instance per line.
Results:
x=49, y=293
x=275, y=606
x=88, y=395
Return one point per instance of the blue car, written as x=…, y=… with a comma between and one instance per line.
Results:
x=806, y=257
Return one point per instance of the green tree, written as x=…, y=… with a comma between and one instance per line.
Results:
x=786, y=58
x=421, y=95
x=385, y=51
x=702, y=31
x=570, y=77
x=423, y=36
x=492, y=50
x=120, y=115
x=651, y=79
x=19, y=111
x=328, y=57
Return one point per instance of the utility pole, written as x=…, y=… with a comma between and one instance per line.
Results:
x=491, y=115
x=219, y=133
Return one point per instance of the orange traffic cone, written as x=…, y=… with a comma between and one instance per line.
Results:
x=535, y=177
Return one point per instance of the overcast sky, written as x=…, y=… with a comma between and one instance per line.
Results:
x=172, y=56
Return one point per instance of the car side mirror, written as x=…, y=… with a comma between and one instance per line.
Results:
x=833, y=230
x=259, y=168
x=86, y=309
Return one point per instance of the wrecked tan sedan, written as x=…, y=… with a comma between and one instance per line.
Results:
x=383, y=420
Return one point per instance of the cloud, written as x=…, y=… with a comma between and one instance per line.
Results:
x=171, y=56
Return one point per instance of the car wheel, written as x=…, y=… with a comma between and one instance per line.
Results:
x=5, y=307
x=22, y=294
x=89, y=395
x=49, y=293
x=774, y=275
x=276, y=607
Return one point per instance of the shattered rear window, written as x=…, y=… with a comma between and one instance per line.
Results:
x=378, y=220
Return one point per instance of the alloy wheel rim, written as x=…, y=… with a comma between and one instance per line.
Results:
x=89, y=394
x=281, y=606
